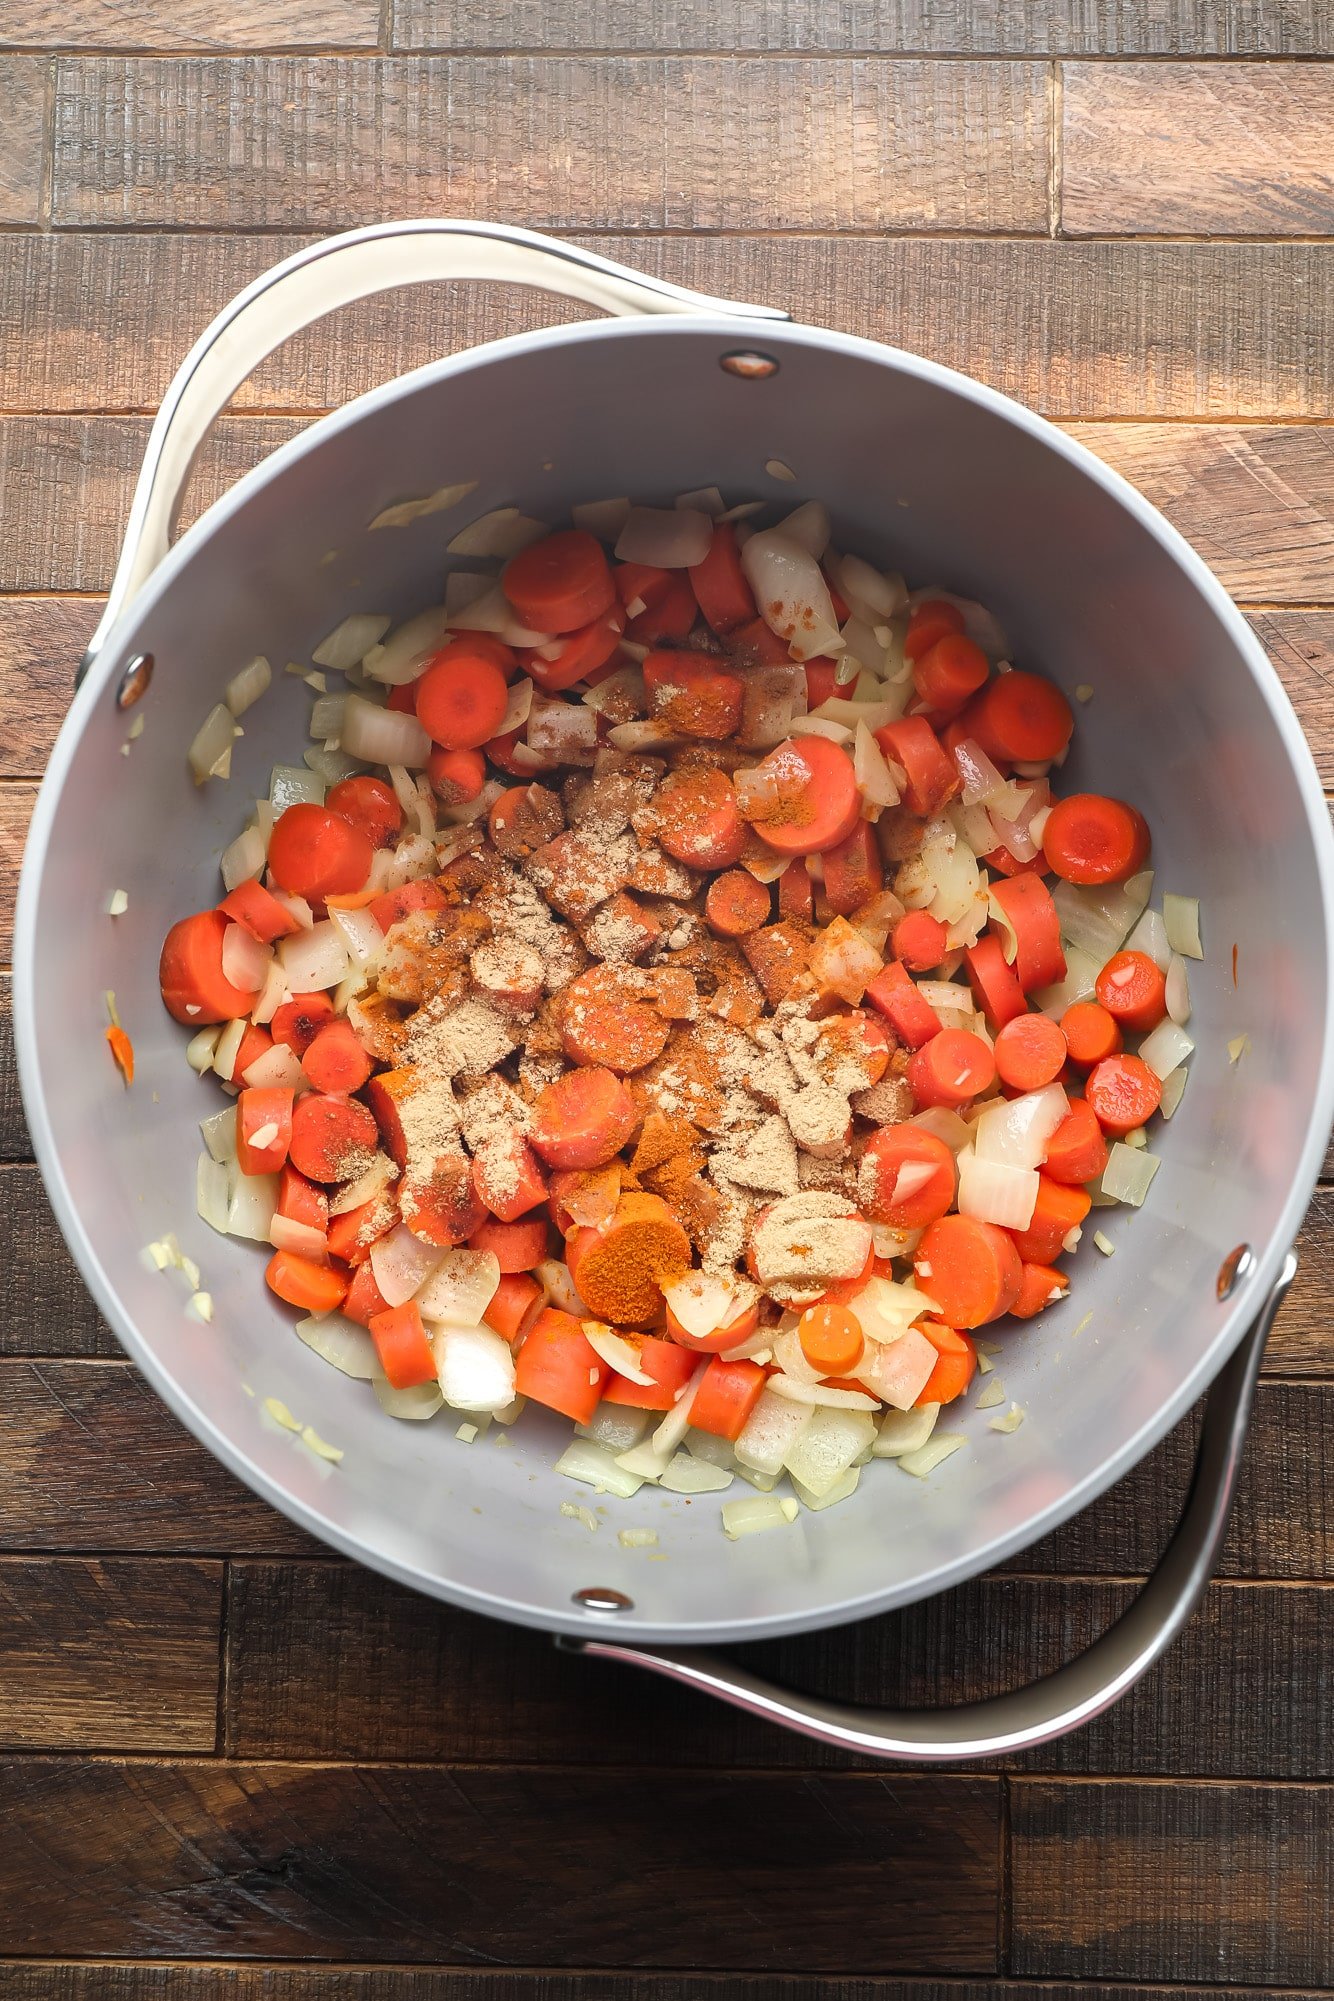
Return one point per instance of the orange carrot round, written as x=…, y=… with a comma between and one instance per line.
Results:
x=1090, y=1033
x=263, y=1129
x=956, y=1366
x=368, y=804
x=736, y=903
x=512, y=1303
x=401, y=1343
x=335, y=1061
x=727, y=1394
x=952, y=1069
x=1133, y=990
x=583, y=1119
x=299, y=1020
x=1059, y=1209
x=314, y=853
x=816, y=802
x=260, y=911
x=932, y=621
x=919, y=941
x=694, y=695
x=1088, y=839
x=508, y=1178
x=831, y=1339
x=906, y=1178
x=440, y=1204
x=1076, y=1151
x=558, y=1367
x=719, y=583
x=1028, y=905
x=969, y=1268
x=332, y=1138
x=560, y=583
x=1022, y=719
x=195, y=989
x=301, y=1282
x=1030, y=1052
x=699, y=820
x=933, y=777
x=995, y=984
x=455, y=776
x=1042, y=1286
x=1124, y=1093
x=519, y=1245
x=853, y=870
x=670, y=1368
x=461, y=698
x=949, y=673
x=602, y=1027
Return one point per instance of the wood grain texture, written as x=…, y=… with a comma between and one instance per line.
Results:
x=1245, y=149
x=426, y=1681
x=323, y=142
x=101, y=321
x=1302, y=1343
x=1218, y=1882
x=24, y=93
x=981, y=27
x=45, y=1308
x=16, y=802
x=41, y=642
x=1301, y=646
x=128, y=1980
x=106, y=1654
x=190, y=24
x=14, y=1141
x=92, y=1460
x=519, y=1868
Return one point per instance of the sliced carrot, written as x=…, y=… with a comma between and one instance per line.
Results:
x=623, y=1268
x=461, y=698
x=263, y=1129
x=455, y=776
x=813, y=800
x=519, y=1245
x=558, y=1367
x=560, y=583
x=952, y=1069
x=719, y=583
x=1124, y=1094
x=332, y=1138
x=122, y=1050
x=1089, y=839
x=933, y=777
x=670, y=1367
x=512, y=1303
x=508, y=1177
x=912, y=1018
x=353, y=1234
x=1028, y=905
x=932, y=621
x=640, y=586
x=601, y=1027
x=384, y=1094
x=578, y=656
x=1041, y=1286
x=259, y=910
x=1090, y=1033
x=301, y=1201
x=500, y=752
x=1030, y=1052
x=669, y=619
x=195, y=989
x=956, y=1366
x=719, y=1339
x=995, y=987
x=906, y=1178
x=920, y=941
x=831, y=1339
x=395, y=904
x=699, y=820
x=401, y=1343
x=440, y=1204
x=1022, y=718
x=796, y=892
x=299, y=1020
x=301, y=1282
x=255, y=1042
x=758, y=645
x=368, y=804
x=364, y=1298
x=335, y=1060
x=1059, y=1209
x=969, y=1268
x=736, y=903
x=854, y=1039
x=694, y=695
x=950, y=673
x=727, y=1394
x=821, y=681
x=1133, y=990
x=583, y=1119
x=853, y=871
x=1076, y=1151
x=844, y=1290
x=313, y=853
x=402, y=700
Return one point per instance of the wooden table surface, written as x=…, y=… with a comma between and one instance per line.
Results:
x=231, y=1764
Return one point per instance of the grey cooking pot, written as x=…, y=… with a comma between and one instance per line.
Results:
x=922, y=469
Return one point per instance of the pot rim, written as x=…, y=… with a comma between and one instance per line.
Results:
x=1240, y=1311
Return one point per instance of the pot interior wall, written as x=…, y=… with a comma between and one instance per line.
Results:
x=919, y=477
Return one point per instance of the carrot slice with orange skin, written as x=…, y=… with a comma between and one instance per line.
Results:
x=560, y=583
x=727, y=1394
x=301, y=1282
x=512, y=1302
x=195, y=989
x=736, y=903
x=920, y=941
x=335, y=1060
x=364, y=1298
x=853, y=870
x=1042, y=1286
x=259, y=910
x=622, y=1269
x=299, y=1020
x=995, y=987
x=831, y=1339
x=1076, y=1151
x=719, y=583
x=694, y=695
x=508, y=1178
x=368, y=804
x=267, y=1113
x=462, y=697
x=912, y=1018
x=921, y=1164
x=932, y=621
x=1124, y=1093
x=332, y=1138
x=1059, y=1209
x=518, y=1246
x=581, y=655
x=557, y=1366
x=1028, y=905
x=1022, y=718
x=796, y=892
x=970, y=1269
x=1090, y=1033
x=1030, y=1052
x=699, y=819
x=950, y=673
x=439, y=1203
x=957, y=1364
x=933, y=777
x=817, y=803
x=400, y=1342
x=455, y=776
x=313, y=853
x=670, y=1367
x=1088, y=839
x=955, y=1067
x=1133, y=990
x=583, y=1119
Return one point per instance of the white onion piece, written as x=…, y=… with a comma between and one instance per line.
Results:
x=248, y=685
x=330, y=765
x=518, y=706
x=885, y=596
x=704, y=1302
x=245, y=962
x=1081, y=972
x=619, y=1354
x=418, y=811
x=243, y=859
x=408, y=648
x=669, y=538
x=676, y=1423
x=502, y=532
x=493, y=612
x=554, y=1278
x=614, y=1426
x=1098, y=920
x=314, y=960
x=460, y=1288
x=973, y=825
x=1012, y=834
x=936, y=1450
x=809, y=525
x=820, y=726
x=285, y=1234
x=871, y=770
x=585, y=1460
x=349, y=642
x=946, y=1125
x=218, y=1132
x=250, y=1211
x=210, y=752
x=402, y=1263
x=475, y=1368
x=1173, y=1091
x=862, y=649
x=873, y=715
x=903, y=1431
x=1150, y=937
x=562, y=733
x=995, y=1193
x=278, y=1069
x=1166, y=1048
x=1181, y=916
x=199, y=1049
x=341, y=1343
x=651, y=736
x=1015, y=1132
x=703, y=500
x=743, y=510
x=213, y=1192
x=383, y=736
x=272, y=995
x=622, y=690
x=294, y=785
x=360, y=934
x=775, y=697
x=404, y=511
x=356, y=1194
x=467, y=811
x=687, y=1475
x=756, y=1512
x=416, y=1405
x=603, y=518
x=792, y=594
x=1128, y=1174
x=1178, y=989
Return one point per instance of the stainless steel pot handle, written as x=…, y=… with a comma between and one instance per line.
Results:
x=1059, y=1702
x=317, y=281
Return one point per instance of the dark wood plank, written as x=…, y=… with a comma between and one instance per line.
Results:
x=14, y=1141
x=41, y=642
x=16, y=803
x=1214, y=1882
x=1073, y=329
x=322, y=142
x=45, y=1308
x=432, y=1682
x=24, y=93
x=107, y=1654
x=557, y=1868
x=126, y=1980
x=91, y=1459
x=191, y=24
x=1244, y=149
x=1301, y=646
x=1300, y=1344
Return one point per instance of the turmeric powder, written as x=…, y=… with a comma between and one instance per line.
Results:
x=622, y=1270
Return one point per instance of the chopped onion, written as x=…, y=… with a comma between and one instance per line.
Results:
x=418, y=811
x=518, y=705
x=254, y=1198
x=821, y=1458
x=995, y=1193
x=952, y=1005
x=562, y=733
x=278, y=1069
x=809, y=525
x=841, y=709
x=349, y=642
x=554, y=1278
x=502, y=532
x=792, y=593
x=401, y=1264
x=820, y=1395
x=936, y=1450
x=622, y=690
x=754, y=1513
x=603, y=518
x=245, y=962
x=460, y=1288
x=213, y=1192
x=420, y=1402
x=884, y=596
x=871, y=771
x=408, y=648
x=383, y=736
x=677, y=1421
x=704, y=499
x=1150, y=937
x=475, y=1368
x=199, y=1049
x=1128, y=1174
x=862, y=650
x=1174, y=1088
x=248, y=685
x=467, y=811
x=1081, y=972
x=404, y=511
x=343, y=1344
x=219, y=1134
x=243, y=859
x=294, y=785
x=285, y=1234
x=1097, y=920
x=314, y=960
x=774, y=697
x=1015, y=1132
x=1178, y=989
x=618, y=1353
x=584, y=1459
x=743, y=510
x=616, y=1426
x=668, y=538
x=903, y=1431
x=1181, y=915
x=687, y=1475
x=360, y=934
x=356, y=1194
x=705, y=1302
x=330, y=765
x=275, y=991
x=493, y=612
x=981, y=780
x=1166, y=1048
x=820, y=726
x=210, y=753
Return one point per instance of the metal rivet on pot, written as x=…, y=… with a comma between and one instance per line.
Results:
x=749, y=365
x=601, y=1598
x=1236, y=1266
x=134, y=681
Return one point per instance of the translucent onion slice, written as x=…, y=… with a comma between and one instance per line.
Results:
x=343, y=1344
x=585, y=1460
x=669, y=538
x=1166, y=1048
x=243, y=859
x=1178, y=989
x=754, y=1513
x=995, y=1193
x=408, y=648
x=809, y=525
x=475, y=1368
x=618, y=1353
x=314, y=960
x=871, y=771
x=1181, y=915
x=1150, y=937
x=246, y=687
x=1128, y=1174
x=460, y=1288
x=210, y=752
x=793, y=594
x=903, y=1431
x=401, y=1264
x=703, y=500
x=1015, y=1132
x=502, y=532
x=885, y=596
x=383, y=736
x=347, y=645
x=245, y=962
x=603, y=518
x=405, y=511
x=935, y=1452
x=294, y=785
